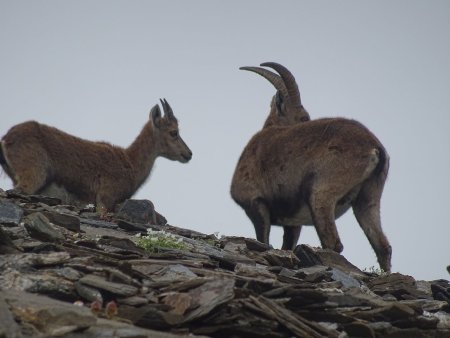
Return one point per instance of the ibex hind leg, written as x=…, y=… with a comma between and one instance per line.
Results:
x=290, y=237
x=322, y=212
x=30, y=174
x=104, y=202
x=260, y=217
x=367, y=211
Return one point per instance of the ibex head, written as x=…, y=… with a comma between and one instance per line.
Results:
x=171, y=144
x=286, y=106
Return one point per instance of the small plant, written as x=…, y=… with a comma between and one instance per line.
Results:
x=212, y=240
x=155, y=240
x=375, y=270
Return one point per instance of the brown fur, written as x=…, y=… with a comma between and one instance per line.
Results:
x=37, y=157
x=312, y=173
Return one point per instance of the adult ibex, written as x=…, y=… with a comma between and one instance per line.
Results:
x=36, y=156
x=298, y=172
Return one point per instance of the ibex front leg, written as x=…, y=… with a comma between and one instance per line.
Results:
x=260, y=217
x=290, y=237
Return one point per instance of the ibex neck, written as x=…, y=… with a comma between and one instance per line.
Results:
x=142, y=153
x=270, y=121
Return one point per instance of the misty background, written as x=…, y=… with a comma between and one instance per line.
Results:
x=95, y=68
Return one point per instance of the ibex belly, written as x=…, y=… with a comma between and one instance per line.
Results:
x=303, y=215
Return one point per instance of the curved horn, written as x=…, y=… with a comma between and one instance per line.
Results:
x=273, y=78
x=289, y=81
x=167, y=109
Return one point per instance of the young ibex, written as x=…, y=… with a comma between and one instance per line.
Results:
x=36, y=157
x=298, y=172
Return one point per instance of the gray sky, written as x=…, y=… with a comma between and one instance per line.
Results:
x=95, y=68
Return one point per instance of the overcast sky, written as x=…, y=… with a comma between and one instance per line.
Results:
x=95, y=68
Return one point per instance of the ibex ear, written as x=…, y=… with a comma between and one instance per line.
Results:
x=279, y=103
x=155, y=116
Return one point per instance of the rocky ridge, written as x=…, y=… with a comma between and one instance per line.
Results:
x=67, y=272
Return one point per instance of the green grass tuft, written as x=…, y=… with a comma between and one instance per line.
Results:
x=156, y=240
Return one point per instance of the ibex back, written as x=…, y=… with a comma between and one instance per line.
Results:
x=36, y=156
x=298, y=172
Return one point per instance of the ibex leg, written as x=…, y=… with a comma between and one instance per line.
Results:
x=322, y=211
x=367, y=211
x=290, y=237
x=29, y=172
x=259, y=215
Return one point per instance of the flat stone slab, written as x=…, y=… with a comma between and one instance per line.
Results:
x=10, y=213
x=48, y=316
x=39, y=227
x=119, y=289
x=69, y=222
x=99, y=224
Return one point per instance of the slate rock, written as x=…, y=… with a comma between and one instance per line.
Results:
x=69, y=222
x=398, y=285
x=39, y=227
x=26, y=260
x=53, y=287
x=314, y=273
x=304, y=272
x=257, y=271
x=10, y=213
x=180, y=302
x=50, y=317
x=310, y=256
x=98, y=223
x=88, y=293
x=9, y=328
x=119, y=289
x=359, y=329
x=129, y=226
x=441, y=290
x=254, y=245
x=346, y=280
x=239, y=288
x=68, y=273
x=426, y=305
x=307, y=256
x=391, y=312
x=284, y=258
x=51, y=201
x=108, y=328
x=152, y=316
x=209, y=296
x=7, y=246
x=133, y=301
x=173, y=273
x=137, y=211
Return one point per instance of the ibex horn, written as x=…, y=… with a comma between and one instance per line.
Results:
x=167, y=109
x=273, y=78
x=289, y=81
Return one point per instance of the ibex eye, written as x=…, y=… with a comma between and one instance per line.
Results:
x=174, y=133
